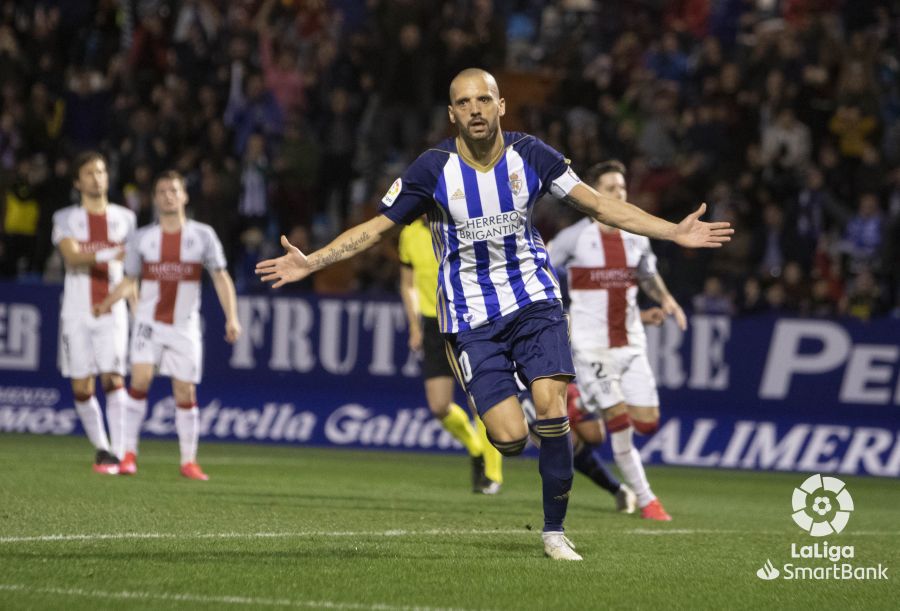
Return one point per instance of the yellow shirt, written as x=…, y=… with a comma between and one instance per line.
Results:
x=416, y=251
x=22, y=215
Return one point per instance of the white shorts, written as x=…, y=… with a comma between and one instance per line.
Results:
x=177, y=352
x=89, y=346
x=609, y=376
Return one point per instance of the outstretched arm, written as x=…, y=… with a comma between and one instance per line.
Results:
x=228, y=299
x=691, y=232
x=656, y=289
x=294, y=265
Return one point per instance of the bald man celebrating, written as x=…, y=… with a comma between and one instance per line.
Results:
x=499, y=305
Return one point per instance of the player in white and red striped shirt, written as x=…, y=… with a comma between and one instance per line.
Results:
x=91, y=238
x=606, y=266
x=168, y=258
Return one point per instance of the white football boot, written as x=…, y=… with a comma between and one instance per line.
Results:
x=558, y=547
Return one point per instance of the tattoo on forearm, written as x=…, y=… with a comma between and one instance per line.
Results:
x=654, y=288
x=336, y=254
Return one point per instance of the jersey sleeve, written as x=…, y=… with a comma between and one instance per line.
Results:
x=647, y=265
x=553, y=168
x=214, y=254
x=132, y=225
x=411, y=195
x=61, y=228
x=561, y=249
x=132, y=262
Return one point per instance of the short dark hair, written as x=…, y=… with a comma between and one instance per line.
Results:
x=83, y=158
x=604, y=167
x=169, y=175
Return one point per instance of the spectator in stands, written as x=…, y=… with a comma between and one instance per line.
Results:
x=749, y=94
x=713, y=299
x=863, y=235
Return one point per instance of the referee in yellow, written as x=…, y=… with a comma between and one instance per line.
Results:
x=418, y=289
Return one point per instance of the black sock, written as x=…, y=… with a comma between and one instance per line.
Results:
x=555, y=466
x=587, y=462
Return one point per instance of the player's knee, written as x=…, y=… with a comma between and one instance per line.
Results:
x=83, y=388
x=137, y=393
x=439, y=410
x=592, y=433
x=112, y=382
x=510, y=448
x=184, y=392
x=646, y=427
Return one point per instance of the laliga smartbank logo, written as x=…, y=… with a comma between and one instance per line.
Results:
x=821, y=507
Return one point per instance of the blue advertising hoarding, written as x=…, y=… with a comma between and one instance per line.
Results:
x=762, y=393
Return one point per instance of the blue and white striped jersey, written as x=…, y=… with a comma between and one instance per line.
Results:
x=492, y=260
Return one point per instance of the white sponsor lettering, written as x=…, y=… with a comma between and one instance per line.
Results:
x=292, y=348
x=332, y=334
x=20, y=325
x=869, y=367
x=34, y=410
x=37, y=420
x=757, y=445
x=385, y=320
x=275, y=422
x=865, y=448
x=821, y=447
x=335, y=347
x=823, y=550
x=664, y=353
x=864, y=371
x=355, y=424
x=253, y=313
x=709, y=370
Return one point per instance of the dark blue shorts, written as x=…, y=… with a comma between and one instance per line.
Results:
x=533, y=342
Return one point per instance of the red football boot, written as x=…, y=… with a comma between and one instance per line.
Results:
x=192, y=470
x=128, y=466
x=654, y=511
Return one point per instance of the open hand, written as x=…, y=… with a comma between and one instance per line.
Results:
x=671, y=308
x=691, y=232
x=290, y=267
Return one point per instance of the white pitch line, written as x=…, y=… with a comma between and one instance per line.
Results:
x=389, y=533
x=228, y=600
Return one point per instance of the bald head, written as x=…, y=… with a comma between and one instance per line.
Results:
x=477, y=75
x=476, y=106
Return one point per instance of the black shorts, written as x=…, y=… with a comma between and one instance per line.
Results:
x=434, y=361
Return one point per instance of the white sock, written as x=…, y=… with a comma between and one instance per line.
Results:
x=115, y=418
x=92, y=421
x=628, y=459
x=135, y=410
x=187, y=424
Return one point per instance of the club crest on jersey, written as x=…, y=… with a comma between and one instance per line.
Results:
x=515, y=183
x=392, y=193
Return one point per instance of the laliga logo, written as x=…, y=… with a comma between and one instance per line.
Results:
x=822, y=505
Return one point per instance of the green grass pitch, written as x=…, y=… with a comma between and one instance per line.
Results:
x=280, y=527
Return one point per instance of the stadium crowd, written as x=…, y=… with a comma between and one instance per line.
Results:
x=293, y=116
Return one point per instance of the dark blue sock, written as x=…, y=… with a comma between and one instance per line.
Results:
x=555, y=466
x=588, y=463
